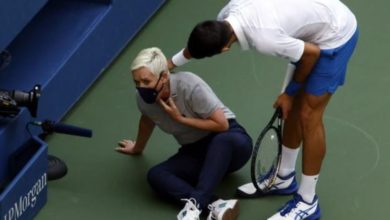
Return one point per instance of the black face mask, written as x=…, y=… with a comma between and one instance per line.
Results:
x=149, y=95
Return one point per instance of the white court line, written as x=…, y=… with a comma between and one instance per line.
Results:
x=367, y=135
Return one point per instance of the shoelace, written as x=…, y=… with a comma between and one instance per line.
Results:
x=292, y=204
x=212, y=208
x=191, y=203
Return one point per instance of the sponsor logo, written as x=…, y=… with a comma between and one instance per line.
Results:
x=26, y=201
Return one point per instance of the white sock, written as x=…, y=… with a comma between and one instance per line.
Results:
x=307, y=189
x=289, y=158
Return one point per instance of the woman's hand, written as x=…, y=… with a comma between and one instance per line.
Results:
x=128, y=147
x=169, y=107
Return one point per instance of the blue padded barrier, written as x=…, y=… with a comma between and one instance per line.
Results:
x=64, y=47
x=26, y=192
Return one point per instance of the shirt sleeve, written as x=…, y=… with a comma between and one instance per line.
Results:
x=275, y=42
x=223, y=13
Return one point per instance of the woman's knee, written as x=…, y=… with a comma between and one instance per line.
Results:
x=233, y=139
x=241, y=150
x=155, y=175
x=245, y=147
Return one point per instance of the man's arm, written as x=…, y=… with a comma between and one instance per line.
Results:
x=304, y=67
x=309, y=58
x=181, y=58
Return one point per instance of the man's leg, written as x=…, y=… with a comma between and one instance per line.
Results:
x=313, y=132
x=313, y=135
x=305, y=202
x=285, y=183
x=305, y=124
x=292, y=135
x=292, y=138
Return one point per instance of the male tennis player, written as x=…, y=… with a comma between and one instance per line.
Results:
x=318, y=37
x=213, y=144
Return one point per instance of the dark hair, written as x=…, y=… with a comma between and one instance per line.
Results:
x=208, y=38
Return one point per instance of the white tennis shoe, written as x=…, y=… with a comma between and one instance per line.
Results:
x=224, y=210
x=190, y=210
x=282, y=186
x=298, y=209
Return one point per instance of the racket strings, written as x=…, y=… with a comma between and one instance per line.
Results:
x=267, y=163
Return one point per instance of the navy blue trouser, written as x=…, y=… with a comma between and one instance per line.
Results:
x=197, y=168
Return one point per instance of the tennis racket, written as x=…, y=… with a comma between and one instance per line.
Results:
x=266, y=154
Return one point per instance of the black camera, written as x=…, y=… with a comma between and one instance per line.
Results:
x=10, y=101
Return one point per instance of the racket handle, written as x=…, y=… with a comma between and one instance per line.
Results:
x=289, y=75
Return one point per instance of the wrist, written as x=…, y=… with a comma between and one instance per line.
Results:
x=139, y=146
x=137, y=151
x=181, y=119
x=179, y=59
x=293, y=87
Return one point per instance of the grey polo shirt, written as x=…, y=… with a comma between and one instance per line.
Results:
x=193, y=98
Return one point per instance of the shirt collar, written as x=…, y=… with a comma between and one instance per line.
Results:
x=238, y=31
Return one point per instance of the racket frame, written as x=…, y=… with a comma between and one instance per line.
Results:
x=277, y=116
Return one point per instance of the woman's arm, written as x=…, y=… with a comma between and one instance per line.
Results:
x=216, y=122
x=145, y=129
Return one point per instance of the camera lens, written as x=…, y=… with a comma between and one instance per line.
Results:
x=22, y=98
x=11, y=101
x=28, y=99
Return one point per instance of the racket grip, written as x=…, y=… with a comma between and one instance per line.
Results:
x=289, y=75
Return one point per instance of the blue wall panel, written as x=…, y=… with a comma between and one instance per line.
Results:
x=14, y=16
x=65, y=47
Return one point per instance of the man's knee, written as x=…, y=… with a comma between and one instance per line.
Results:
x=309, y=117
x=305, y=115
x=312, y=109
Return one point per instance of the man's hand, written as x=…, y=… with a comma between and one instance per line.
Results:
x=170, y=107
x=284, y=101
x=128, y=147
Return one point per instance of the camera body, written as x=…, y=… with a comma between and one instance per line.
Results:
x=11, y=101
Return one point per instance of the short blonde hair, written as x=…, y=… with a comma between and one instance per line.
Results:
x=151, y=58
